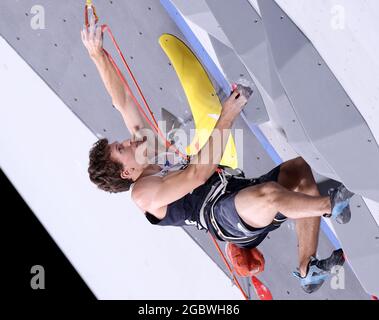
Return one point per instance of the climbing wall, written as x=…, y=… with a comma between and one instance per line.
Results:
x=59, y=58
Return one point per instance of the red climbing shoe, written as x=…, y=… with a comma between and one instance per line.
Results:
x=246, y=262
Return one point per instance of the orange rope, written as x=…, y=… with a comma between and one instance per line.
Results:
x=106, y=28
x=229, y=267
x=153, y=123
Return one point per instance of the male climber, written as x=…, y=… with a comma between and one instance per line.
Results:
x=174, y=194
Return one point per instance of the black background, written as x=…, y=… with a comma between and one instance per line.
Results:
x=26, y=243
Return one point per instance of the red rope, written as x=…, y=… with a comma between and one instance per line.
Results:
x=153, y=124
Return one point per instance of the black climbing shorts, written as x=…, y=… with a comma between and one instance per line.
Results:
x=228, y=219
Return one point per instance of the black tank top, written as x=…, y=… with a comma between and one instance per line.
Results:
x=185, y=211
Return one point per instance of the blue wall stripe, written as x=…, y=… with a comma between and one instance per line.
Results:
x=330, y=234
x=196, y=45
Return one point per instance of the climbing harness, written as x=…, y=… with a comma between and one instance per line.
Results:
x=206, y=217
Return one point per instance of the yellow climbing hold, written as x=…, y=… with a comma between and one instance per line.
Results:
x=201, y=96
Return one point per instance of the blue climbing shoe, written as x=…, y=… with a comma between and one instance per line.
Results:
x=340, y=200
x=319, y=270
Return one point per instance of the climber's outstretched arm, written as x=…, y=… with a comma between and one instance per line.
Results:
x=93, y=41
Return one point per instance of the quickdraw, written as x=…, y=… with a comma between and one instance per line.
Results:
x=89, y=7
